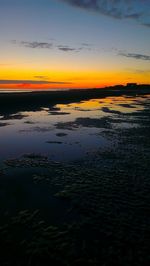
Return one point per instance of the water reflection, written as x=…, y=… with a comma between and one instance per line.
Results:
x=66, y=131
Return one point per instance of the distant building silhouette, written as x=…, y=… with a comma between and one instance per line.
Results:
x=131, y=85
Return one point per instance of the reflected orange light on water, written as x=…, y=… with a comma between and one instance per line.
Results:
x=120, y=104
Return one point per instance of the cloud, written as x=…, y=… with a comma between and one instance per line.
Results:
x=33, y=45
x=46, y=45
x=67, y=48
x=139, y=71
x=41, y=77
x=41, y=45
x=34, y=82
x=136, y=56
x=119, y=9
x=86, y=44
x=146, y=24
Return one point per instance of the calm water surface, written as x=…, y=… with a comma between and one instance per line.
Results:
x=65, y=131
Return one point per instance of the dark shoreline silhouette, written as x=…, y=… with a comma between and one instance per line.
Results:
x=27, y=101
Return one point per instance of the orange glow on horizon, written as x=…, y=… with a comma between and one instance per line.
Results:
x=66, y=79
x=52, y=86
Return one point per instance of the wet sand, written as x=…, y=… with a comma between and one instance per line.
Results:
x=92, y=211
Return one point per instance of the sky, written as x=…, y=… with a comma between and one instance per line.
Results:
x=74, y=43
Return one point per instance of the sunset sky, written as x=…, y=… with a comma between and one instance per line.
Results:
x=74, y=43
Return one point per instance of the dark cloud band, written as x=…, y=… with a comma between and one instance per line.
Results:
x=34, y=82
x=136, y=56
x=119, y=9
x=46, y=45
x=35, y=44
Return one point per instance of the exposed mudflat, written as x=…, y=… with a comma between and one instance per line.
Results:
x=88, y=206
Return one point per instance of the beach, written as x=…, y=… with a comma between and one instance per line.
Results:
x=74, y=177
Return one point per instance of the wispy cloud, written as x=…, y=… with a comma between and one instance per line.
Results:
x=147, y=24
x=35, y=44
x=135, y=56
x=46, y=45
x=67, y=48
x=41, y=77
x=34, y=82
x=142, y=72
x=42, y=45
x=119, y=9
x=138, y=71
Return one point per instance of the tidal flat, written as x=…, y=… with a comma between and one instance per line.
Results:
x=74, y=182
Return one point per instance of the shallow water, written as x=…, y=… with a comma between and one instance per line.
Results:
x=66, y=132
